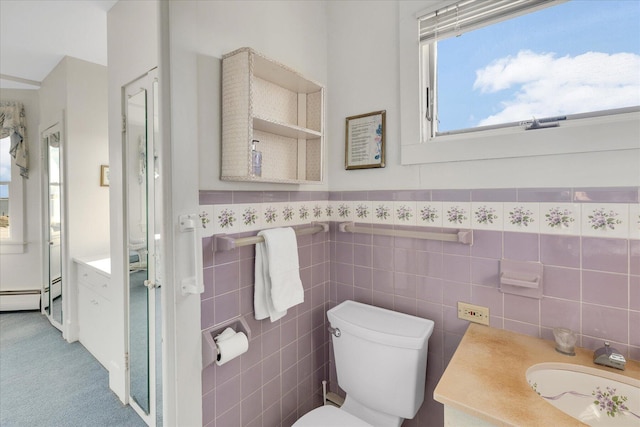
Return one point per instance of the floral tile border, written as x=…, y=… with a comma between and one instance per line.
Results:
x=617, y=220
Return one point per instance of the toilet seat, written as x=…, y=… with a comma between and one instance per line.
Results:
x=330, y=416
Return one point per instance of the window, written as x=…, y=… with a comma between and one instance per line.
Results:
x=462, y=140
x=504, y=63
x=5, y=182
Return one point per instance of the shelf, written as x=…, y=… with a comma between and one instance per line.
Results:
x=275, y=105
x=283, y=129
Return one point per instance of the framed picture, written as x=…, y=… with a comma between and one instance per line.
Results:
x=104, y=176
x=364, y=136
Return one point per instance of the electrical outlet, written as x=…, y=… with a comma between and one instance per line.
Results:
x=473, y=313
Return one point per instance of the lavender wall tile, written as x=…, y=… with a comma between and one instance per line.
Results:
x=344, y=252
x=431, y=311
x=560, y=250
x=522, y=327
x=485, y=272
x=634, y=292
x=545, y=195
x=429, y=289
x=560, y=313
x=248, y=197
x=354, y=195
x=405, y=195
x=487, y=244
x=451, y=195
x=607, y=195
x=208, y=407
x=634, y=329
x=451, y=323
x=382, y=281
x=226, y=278
x=634, y=256
x=344, y=273
x=380, y=195
x=429, y=264
x=383, y=258
x=215, y=197
x=227, y=395
x=606, y=323
x=405, y=285
x=494, y=195
x=275, y=196
x=230, y=418
x=452, y=292
x=522, y=309
x=521, y=246
x=605, y=288
x=226, y=307
x=604, y=254
x=251, y=408
x=488, y=297
x=404, y=260
x=562, y=282
x=206, y=313
x=362, y=277
x=456, y=268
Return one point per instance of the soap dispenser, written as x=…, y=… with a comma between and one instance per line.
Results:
x=256, y=159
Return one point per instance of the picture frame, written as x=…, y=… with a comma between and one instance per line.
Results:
x=104, y=175
x=365, y=141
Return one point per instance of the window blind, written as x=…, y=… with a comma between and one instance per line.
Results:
x=468, y=15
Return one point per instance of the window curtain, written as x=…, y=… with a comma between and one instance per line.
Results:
x=13, y=123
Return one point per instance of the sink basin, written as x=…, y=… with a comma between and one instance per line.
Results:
x=593, y=396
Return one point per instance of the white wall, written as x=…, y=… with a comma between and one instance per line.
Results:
x=132, y=34
x=293, y=33
x=364, y=76
x=24, y=271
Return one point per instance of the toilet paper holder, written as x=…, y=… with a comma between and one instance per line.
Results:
x=210, y=348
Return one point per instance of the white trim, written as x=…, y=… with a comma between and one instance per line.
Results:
x=573, y=136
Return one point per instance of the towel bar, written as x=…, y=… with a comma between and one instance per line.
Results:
x=222, y=242
x=461, y=236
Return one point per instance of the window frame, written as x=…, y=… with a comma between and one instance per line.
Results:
x=572, y=136
x=15, y=243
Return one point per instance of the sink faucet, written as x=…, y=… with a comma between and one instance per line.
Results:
x=608, y=356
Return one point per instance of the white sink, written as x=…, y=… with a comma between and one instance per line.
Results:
x=593, y=396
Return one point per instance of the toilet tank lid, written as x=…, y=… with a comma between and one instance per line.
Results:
x=381, y=325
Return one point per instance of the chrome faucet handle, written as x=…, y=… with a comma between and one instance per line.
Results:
x=608, y=356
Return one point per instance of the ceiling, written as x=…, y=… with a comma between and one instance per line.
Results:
x=36, y=34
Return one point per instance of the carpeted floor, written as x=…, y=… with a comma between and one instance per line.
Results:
x=46, y=381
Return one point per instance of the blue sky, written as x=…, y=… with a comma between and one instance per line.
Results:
x=540, y=62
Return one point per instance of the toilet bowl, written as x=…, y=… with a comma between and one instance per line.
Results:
x=326, y=416
x=381, y=362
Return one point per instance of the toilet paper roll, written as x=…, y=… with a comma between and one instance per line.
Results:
x=227, y=333
x=232, y=347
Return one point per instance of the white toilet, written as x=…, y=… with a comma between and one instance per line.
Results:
x=381, y=362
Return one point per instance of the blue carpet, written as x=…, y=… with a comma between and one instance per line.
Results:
x=46, y=381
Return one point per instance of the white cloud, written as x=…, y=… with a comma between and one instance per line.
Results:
x=542, y=85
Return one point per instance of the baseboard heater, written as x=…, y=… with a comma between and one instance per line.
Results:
x=16, y=300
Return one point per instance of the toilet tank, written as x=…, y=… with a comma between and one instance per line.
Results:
x=381, y=356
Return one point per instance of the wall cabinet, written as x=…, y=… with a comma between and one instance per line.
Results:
x=266, y=101
x=94, y=311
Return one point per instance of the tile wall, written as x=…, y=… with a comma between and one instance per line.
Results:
x=592, y=285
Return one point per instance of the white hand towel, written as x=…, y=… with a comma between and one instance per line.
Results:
x=262, y=304
x=278, y=283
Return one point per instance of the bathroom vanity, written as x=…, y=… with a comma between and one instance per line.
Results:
x=485, y=383
x=94, y=306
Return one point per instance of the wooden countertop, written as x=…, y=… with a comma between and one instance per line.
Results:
x=486, y=377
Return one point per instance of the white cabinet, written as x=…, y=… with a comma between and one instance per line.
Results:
x=266, y=101
x=94, y=311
